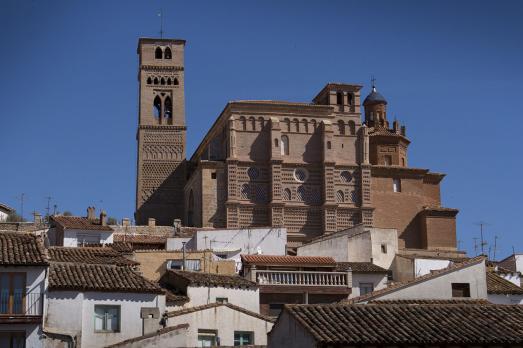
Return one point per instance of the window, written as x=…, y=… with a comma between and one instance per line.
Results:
x=12, y=293
x=286, y=194
x=167, y=53
x=106, y=318
x=340, y=197
x=365, y=288
x=155, y=80
x=158, y=53
x=169, y=81
x=301, y=174
x=387, y=160
x=252, y=122
x=149, y=81
x=296, y=125
x=207, y=338
x=328, y=145
x=460, y=290
x=403, y=161
x=175, y=82
x=243, y=338
x=352, y=128
x=213, y=175
x=190, y=264
x=12, y=339
x=349, y=98
x=346, y=176
x=276, y=142
x=222, y=300
x=390, y=275
x=275, y=309
x=157, y=107
x=162, y=81
x=339, y=98
x=384, y=248
x=341, y=127
x=168, y=108
x=284, y=145
x=396, y=185
x=243, y=123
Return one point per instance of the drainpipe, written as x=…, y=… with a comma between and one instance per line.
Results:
x=183, y=250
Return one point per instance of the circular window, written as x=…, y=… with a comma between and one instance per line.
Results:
x=253, y=173
x=346, y=176
x=301, y=174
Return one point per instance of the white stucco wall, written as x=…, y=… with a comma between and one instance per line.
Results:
x=73, y=312
x=225, y=321
x=287, y=332
x=3, y=216
x=441, y=288
x=424, y=266
x=379, y=280
x=505, y=299
x=519, y=262
x=71, y=237
x=177, y=243
x=514, y=278
x=387, y=237
x=335, y=246
x=245, y=298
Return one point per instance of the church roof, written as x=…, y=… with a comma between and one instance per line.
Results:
x=374, y=98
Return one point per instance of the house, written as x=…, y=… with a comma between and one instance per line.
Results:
x=23, y=268
x=73, y=231
x=90, y=255
x=366, y=277
x=356, y=244
x=295, y=279
x=5, y=211
x=205, y=288
x=461, y=280
x=147, y=237
x=221, y=324
x=513, y=263
x=398, y=325
x=502, y=291
x=510, y=275
x=94, y=305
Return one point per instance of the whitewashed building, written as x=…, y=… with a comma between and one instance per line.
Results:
x=502, y=291
x=513, y=263
x=73, y=231
x=5, y=210
x=23, y=267
x=366, y=277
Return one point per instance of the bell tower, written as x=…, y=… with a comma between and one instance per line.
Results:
x=161, y=131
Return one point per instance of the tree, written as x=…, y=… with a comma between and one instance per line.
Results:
x=112, y=221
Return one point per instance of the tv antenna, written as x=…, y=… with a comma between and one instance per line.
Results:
x=160, y=14
x=495, y=246
x=475, y=246
x=48, y=209
x=483, y=243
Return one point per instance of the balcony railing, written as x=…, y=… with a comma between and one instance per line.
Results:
x=304, y=278
x=19, y=304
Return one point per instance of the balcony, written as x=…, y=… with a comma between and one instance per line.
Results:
x=304, y=278
x=20, y=307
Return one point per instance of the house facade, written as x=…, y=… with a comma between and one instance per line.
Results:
x=73, y=231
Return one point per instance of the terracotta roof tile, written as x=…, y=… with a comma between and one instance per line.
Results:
x=476, y=301
x=93, y=255
x=24, y=249
x=79, y=223
x=215, y=305
x=171, y=277
x=140, y=238
x=410, y=324
x=102, y=278
x=360, y=267
x=499, y=285
x=288, y=260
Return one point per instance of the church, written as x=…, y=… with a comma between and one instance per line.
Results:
x=314, y=168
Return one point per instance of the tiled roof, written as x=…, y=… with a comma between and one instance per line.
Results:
x=508, y=263
x=288, y=260
x=206, y=279
x=140, y=238
x=102, y=278
x=94, y=255
x=476, y=301
x=79, y=223
x=6, y=207
x=19, y=248
x=176, y=298
x=410, y=324
x=400, y=285
x=215, y=305
x=122, y=247
x=149, y=335
x=498, y=285
x=165, y=231
x=360, y=267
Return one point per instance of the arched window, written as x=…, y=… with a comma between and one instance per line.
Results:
x=352, y=128
x=245, y=191
x=286, y=194
x=157, y=107
x=301, y=193
x=190, y=210
x=149, y=81
x=305, y=125
x=328, y=145
x=169, y=81
x=296, y=125
x=243, y=123
x=350, y=98
x=276, y=142
x=167, y=53
x=261, y=121
x=339, y=98
x=284, y=145
x=341, y=127
x=175, y=82
x=162, y=81
x=313, y=123
x=158, y=53
x=252, y=122
x=155, y=80
x=288, y=123
x=340, y=197
x=168, y=108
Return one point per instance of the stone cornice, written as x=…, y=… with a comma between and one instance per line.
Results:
x=162, y=127
x=161, y=68
x=397, y=171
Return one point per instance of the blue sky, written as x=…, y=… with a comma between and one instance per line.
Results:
x=451, y=71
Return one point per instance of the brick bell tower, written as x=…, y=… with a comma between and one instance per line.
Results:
x=161, y=132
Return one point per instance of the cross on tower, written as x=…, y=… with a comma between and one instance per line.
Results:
x=373, y=81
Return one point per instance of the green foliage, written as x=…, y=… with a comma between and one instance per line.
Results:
x=112, y=221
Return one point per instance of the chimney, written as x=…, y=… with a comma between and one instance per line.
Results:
x=90, y=213
x=37, y=218
x=151, y=222
x=177, y=225
x=126, y=222
x=103, y=218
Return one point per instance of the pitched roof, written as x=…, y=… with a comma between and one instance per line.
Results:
x=476, y=301
x=6, y=207
x=79, y=223
x=94, y=255
x=215, y=305
x=499, y=285
x=207, y=279
x=410, y=324
x=360, y=267
x=288, y=260
x=21, y=249
x=401, y=285
x=102, y=278
x=140, y=238
x=149, y=335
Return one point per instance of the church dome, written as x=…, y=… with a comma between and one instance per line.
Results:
x=374, y=98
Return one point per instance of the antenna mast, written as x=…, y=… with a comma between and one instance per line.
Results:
x=483, y=241
x=160, y=14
